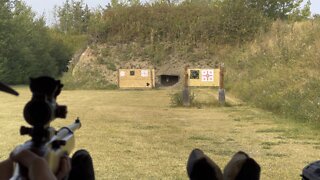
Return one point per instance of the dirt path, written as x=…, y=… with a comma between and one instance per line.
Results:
x=138, y=135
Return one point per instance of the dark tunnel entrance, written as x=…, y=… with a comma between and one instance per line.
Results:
x=169, y=80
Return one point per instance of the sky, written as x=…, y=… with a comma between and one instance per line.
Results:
x=315, y=6
x=46, y=6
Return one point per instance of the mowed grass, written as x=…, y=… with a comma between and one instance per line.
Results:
x=138, y=135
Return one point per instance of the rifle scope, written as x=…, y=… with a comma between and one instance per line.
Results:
x=43, y=108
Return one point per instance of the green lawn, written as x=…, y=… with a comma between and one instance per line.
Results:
x=138, y=135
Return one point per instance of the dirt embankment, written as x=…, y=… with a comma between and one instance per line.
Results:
x=103, y=61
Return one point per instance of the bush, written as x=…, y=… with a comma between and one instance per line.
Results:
x=177, y=101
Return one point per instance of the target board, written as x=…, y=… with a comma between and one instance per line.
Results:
x=136, y=78
x=203, y=77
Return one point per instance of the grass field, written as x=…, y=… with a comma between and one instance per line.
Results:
x=138, y=135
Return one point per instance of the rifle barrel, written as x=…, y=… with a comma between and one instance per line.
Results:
x=63, y=132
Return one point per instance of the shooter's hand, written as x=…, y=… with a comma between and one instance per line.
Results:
x=6, y=169
x=37, y=167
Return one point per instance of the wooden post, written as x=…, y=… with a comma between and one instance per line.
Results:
x=152, y=78
x=185, y=92
x=222, y=98
x=119, y=78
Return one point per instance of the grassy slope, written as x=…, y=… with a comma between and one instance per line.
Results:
x=279, y=71
x=137, y=135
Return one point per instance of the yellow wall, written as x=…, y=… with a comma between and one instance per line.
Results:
x=203, y=80
x=139, y=80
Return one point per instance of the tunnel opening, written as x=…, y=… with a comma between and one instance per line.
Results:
x=169, y=80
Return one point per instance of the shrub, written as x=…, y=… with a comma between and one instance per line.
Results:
x=177, y=101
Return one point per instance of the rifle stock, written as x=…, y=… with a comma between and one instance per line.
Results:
x=58, y=145
x=55, y=150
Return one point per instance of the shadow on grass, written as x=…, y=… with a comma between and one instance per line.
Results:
x=278, y=155
x=200, y=138
x=269, y=145
x=271, y=130
x=177, y=101
x=224, y=152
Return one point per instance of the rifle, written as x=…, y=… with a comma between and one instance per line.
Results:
x=45, y=141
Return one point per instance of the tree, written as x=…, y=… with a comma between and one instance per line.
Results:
x=240, y=21
x=305, y=11
x=5, y=26
x=73, y=17
x=64, y=17
x=276, y=9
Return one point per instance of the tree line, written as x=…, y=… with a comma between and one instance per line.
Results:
x=188, y=21
x=193, y=21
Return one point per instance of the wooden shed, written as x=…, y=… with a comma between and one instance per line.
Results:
x=136, y=78
x=203, y=77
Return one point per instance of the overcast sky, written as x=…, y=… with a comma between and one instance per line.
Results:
x=315, y=6
x=46, y=6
